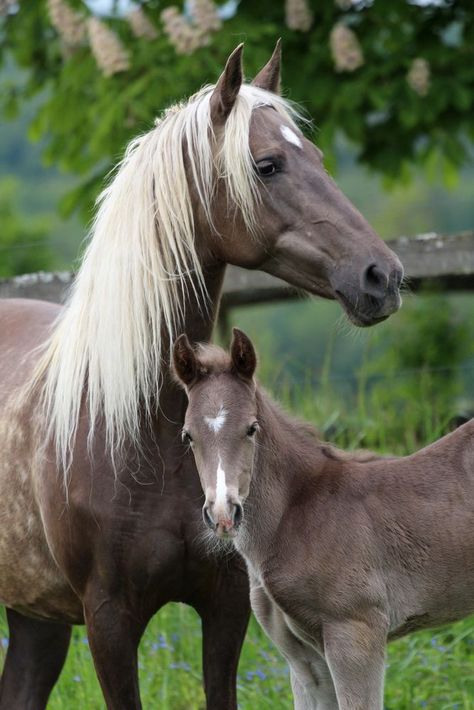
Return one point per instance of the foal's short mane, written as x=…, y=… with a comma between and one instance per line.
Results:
x=141, y=267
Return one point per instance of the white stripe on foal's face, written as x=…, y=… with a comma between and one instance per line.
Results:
x=216, y=423
x=221, y=488
x=290, y=136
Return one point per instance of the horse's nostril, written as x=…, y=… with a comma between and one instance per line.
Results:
x=397, y=276
x=237, y=514
x=207, y=517
x=375, y=281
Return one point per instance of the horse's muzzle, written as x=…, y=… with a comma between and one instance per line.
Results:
x=372, y=296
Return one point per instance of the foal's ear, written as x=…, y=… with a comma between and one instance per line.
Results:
x=269, y=77
x=244, y=359
x=227, y=88
x=184, y=360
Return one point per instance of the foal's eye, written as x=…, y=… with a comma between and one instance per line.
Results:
x=186, y=437
x=266, y=168
x=252, y=429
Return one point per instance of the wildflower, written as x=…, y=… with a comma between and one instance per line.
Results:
x=141, y=25
x=343, y=4
x=180, y=665
x=345, y=48
x=110, y=54
x=418, y=76
x=298, y=15
x=70, y=25
x=77, y=678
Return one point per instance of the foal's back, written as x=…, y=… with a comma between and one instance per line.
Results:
x=398, y=532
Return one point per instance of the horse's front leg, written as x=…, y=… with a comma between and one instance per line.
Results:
x=355, y=653
x=35, y=657
x=114, y=634
x=225, y=612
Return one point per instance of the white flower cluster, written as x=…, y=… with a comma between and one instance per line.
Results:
x=204, y=15
x=419, y=75
x=343, y=4
x=345, y=48
x=187, y=36
x=70, y=25
x=141, y=26
x=5, y=6
x=298, y=15
x=109, y=52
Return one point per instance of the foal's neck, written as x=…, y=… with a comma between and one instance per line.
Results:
x=288, y=455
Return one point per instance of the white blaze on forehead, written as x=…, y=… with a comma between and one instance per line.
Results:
x=290, y=136
x=221, y=487
x=216, y=423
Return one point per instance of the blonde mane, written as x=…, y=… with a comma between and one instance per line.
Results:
x=130, y=293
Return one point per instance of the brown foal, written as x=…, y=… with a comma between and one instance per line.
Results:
x=344, y=551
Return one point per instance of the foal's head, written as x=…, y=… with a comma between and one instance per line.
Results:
x=221, y=424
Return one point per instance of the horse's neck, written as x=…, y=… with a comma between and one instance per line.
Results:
x=199, y=319
x=286, y=457
x=198, y=324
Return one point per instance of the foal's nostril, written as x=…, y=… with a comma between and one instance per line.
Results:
x=207, y=517
x=237, y=514
x=375, y=281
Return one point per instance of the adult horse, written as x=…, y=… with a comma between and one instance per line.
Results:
x=101, y=505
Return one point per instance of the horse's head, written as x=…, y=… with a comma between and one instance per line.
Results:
x=306, y=231
x=220, y=425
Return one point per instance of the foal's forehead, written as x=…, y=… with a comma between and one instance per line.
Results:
x=221, y=398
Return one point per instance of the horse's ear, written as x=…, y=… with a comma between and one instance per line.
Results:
x=269, y=77
x=227, y=88
x=185, y=364
x=244, y=359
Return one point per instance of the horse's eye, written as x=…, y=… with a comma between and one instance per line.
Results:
x=186, y=437
x=266, y=167
x=252, y=429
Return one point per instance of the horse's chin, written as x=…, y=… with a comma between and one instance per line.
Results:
x=362, y=320
x=359, y=317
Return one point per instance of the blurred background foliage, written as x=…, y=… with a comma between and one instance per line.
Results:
x=390, y=86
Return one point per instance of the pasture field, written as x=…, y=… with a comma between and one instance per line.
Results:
x=426, y=670
x=431, y=669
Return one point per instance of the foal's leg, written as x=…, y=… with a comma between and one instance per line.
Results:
x=311, y=682
x=36, y=654
x=355, y=653
x=225, y=615
x=114, y=634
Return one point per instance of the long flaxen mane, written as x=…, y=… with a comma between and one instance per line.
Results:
x=106, y=348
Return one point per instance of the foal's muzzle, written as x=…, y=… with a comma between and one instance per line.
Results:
x=223, y=523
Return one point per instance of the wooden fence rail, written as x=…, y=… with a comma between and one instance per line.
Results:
x=444, y=260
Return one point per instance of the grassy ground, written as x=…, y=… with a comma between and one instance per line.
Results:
x=433, y=670
x=427, y=670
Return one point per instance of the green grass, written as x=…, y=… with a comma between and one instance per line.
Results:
x=426, y=670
